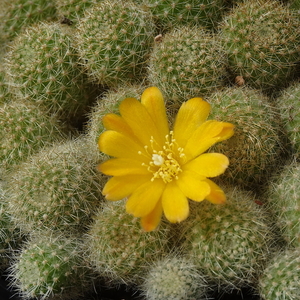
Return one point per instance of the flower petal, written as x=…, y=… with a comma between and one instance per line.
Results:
x=144, y=199
x=117, y=123
x=151, y=221
x=208, y=164
x=120, y=187
x=117, y=144
x=122, y=166
x=206, y=135
x=139, y=120
x=175, y=203
x=153, y=100
x=189, y=117
x=217, y=195
x=193, y=185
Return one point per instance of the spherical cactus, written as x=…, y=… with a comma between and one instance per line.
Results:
x=114, y=41
x=174, y=277
x=18, y=14
x=255, y=148
x=5, y=95
x=289, y=106
x=118, y=247
x=50, y=266
x=187, y=63
x=43, y=67
x=262, y=40
x=170, y=13
x=24, y=131
x=72, y=10
x=58, y=188
x=229, y=243
x=280, y=280
x=10, y=235
x=283, y=196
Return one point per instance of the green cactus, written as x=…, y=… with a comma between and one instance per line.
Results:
x=58, y=188
x=50, y=266
x=262, y=40
x=73, y=10
x=280, y=280
x=289, y=106
x=114, y=40
x=24, y=131
x=256, y=145
x=44, y=68
x=171, y=13
x=5, y=95
x=118, y=247
x=16, y=15
x=229, y=243
x=283, y=196
x=174, y=277
x=187, y=63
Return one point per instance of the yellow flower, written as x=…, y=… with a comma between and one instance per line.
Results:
x=158, y=169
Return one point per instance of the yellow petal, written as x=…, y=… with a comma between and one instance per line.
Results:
x=139, y=120
x=208, y=164
x=152, y=220
x=153, y=100
x=117, y=144
x=144, y=199
x=175, y=204
x=117, y=123
x=122, y=166
x=190, y=116
x=120, y=187
x=227, y=131
x=217, y=195
x=206, y=135
x=193, y=185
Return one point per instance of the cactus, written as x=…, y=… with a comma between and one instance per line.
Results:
x=229, y=243
x=174, y=277
x=73, y=10
x=280, y=280
x=50, y=266
x=262, y=40
x=18, y=14
x=4, y=92
x=59, y=188
x=289, y=105
x=114, y=40
x=25, y=130
x=283, y=196
x=119, y=249
x=169, y=13
x=187, y=63
x=255, y=148
x=43, y=67
x=10, y=236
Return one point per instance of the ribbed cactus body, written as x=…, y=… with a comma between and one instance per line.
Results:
x=114, y=40
x=118, y=247
x=188, y=62
x=59, y=188
x=255, y=148
x=229, y=243
x=283, y=196
x=280, y=280
x=174, y=277
x=43, y=67
x=262, y=40
x=50, y=266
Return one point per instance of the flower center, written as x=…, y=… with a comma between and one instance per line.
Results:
x=164, y=163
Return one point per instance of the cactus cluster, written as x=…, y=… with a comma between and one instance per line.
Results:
x=65, y=64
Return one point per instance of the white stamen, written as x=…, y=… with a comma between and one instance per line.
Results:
x=157, y=159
